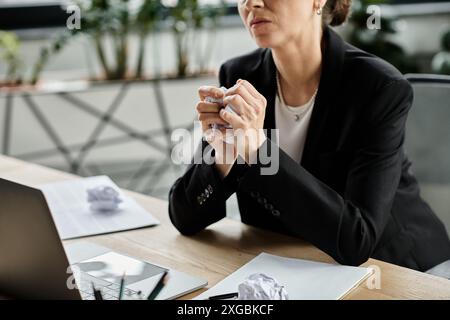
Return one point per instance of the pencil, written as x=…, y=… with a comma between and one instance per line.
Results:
x=159, y=286
x=224, y=296
x=122, y=285
x=97, y=293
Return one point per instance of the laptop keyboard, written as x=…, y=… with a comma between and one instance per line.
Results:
x=109, y=290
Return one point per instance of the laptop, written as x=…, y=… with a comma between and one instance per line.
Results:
x=34, y=264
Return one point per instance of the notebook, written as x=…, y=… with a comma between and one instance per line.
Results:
x=73, y=217
x=302, y=279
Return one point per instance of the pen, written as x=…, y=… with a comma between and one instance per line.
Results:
x=224, y=296
x=159, y=286
x=122, y=284
x=97, y=293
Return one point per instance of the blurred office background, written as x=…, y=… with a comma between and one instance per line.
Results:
x=105, y=98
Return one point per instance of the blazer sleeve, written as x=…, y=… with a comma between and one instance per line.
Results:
x=197, y=199
x=348, y=226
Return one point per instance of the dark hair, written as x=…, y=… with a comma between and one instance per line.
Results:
x=336, y=12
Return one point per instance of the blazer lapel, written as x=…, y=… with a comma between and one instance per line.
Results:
x=332, y=63
x=266, y=83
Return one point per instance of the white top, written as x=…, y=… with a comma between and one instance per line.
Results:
x=292, y=123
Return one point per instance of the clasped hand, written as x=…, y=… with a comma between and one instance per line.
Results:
x=247, y=121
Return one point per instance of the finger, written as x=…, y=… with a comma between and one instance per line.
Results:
x=251, y=89
x=243, y=91
x=207, y=107
x=233, y=119
x=210, y=91
x=260, y=101
x=211, y=118
x=237, y=103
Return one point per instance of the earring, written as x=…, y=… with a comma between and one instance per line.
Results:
x=319, y=11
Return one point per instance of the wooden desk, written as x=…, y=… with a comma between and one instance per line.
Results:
x=226, y=246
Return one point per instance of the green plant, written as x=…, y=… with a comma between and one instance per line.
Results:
x=109, y=22
x=187, y=18
x=182, y=24
x=377, y=41
x=9, y=53
x=208, y=21
x=108, y=19
x=149, y=14
x=55, y=46
x=441, y=61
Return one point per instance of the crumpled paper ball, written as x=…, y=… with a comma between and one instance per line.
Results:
x=229, y=138
x=259, y=286
x=103, y=198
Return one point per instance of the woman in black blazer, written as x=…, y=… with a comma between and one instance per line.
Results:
x=352, y=194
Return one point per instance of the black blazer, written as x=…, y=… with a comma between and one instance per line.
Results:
x=353, y=195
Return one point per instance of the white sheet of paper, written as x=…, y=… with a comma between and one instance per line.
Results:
x=73, y=217
x=302, y=279
x=111, y=266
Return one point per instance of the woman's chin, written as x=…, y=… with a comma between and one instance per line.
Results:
x=264, y=41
